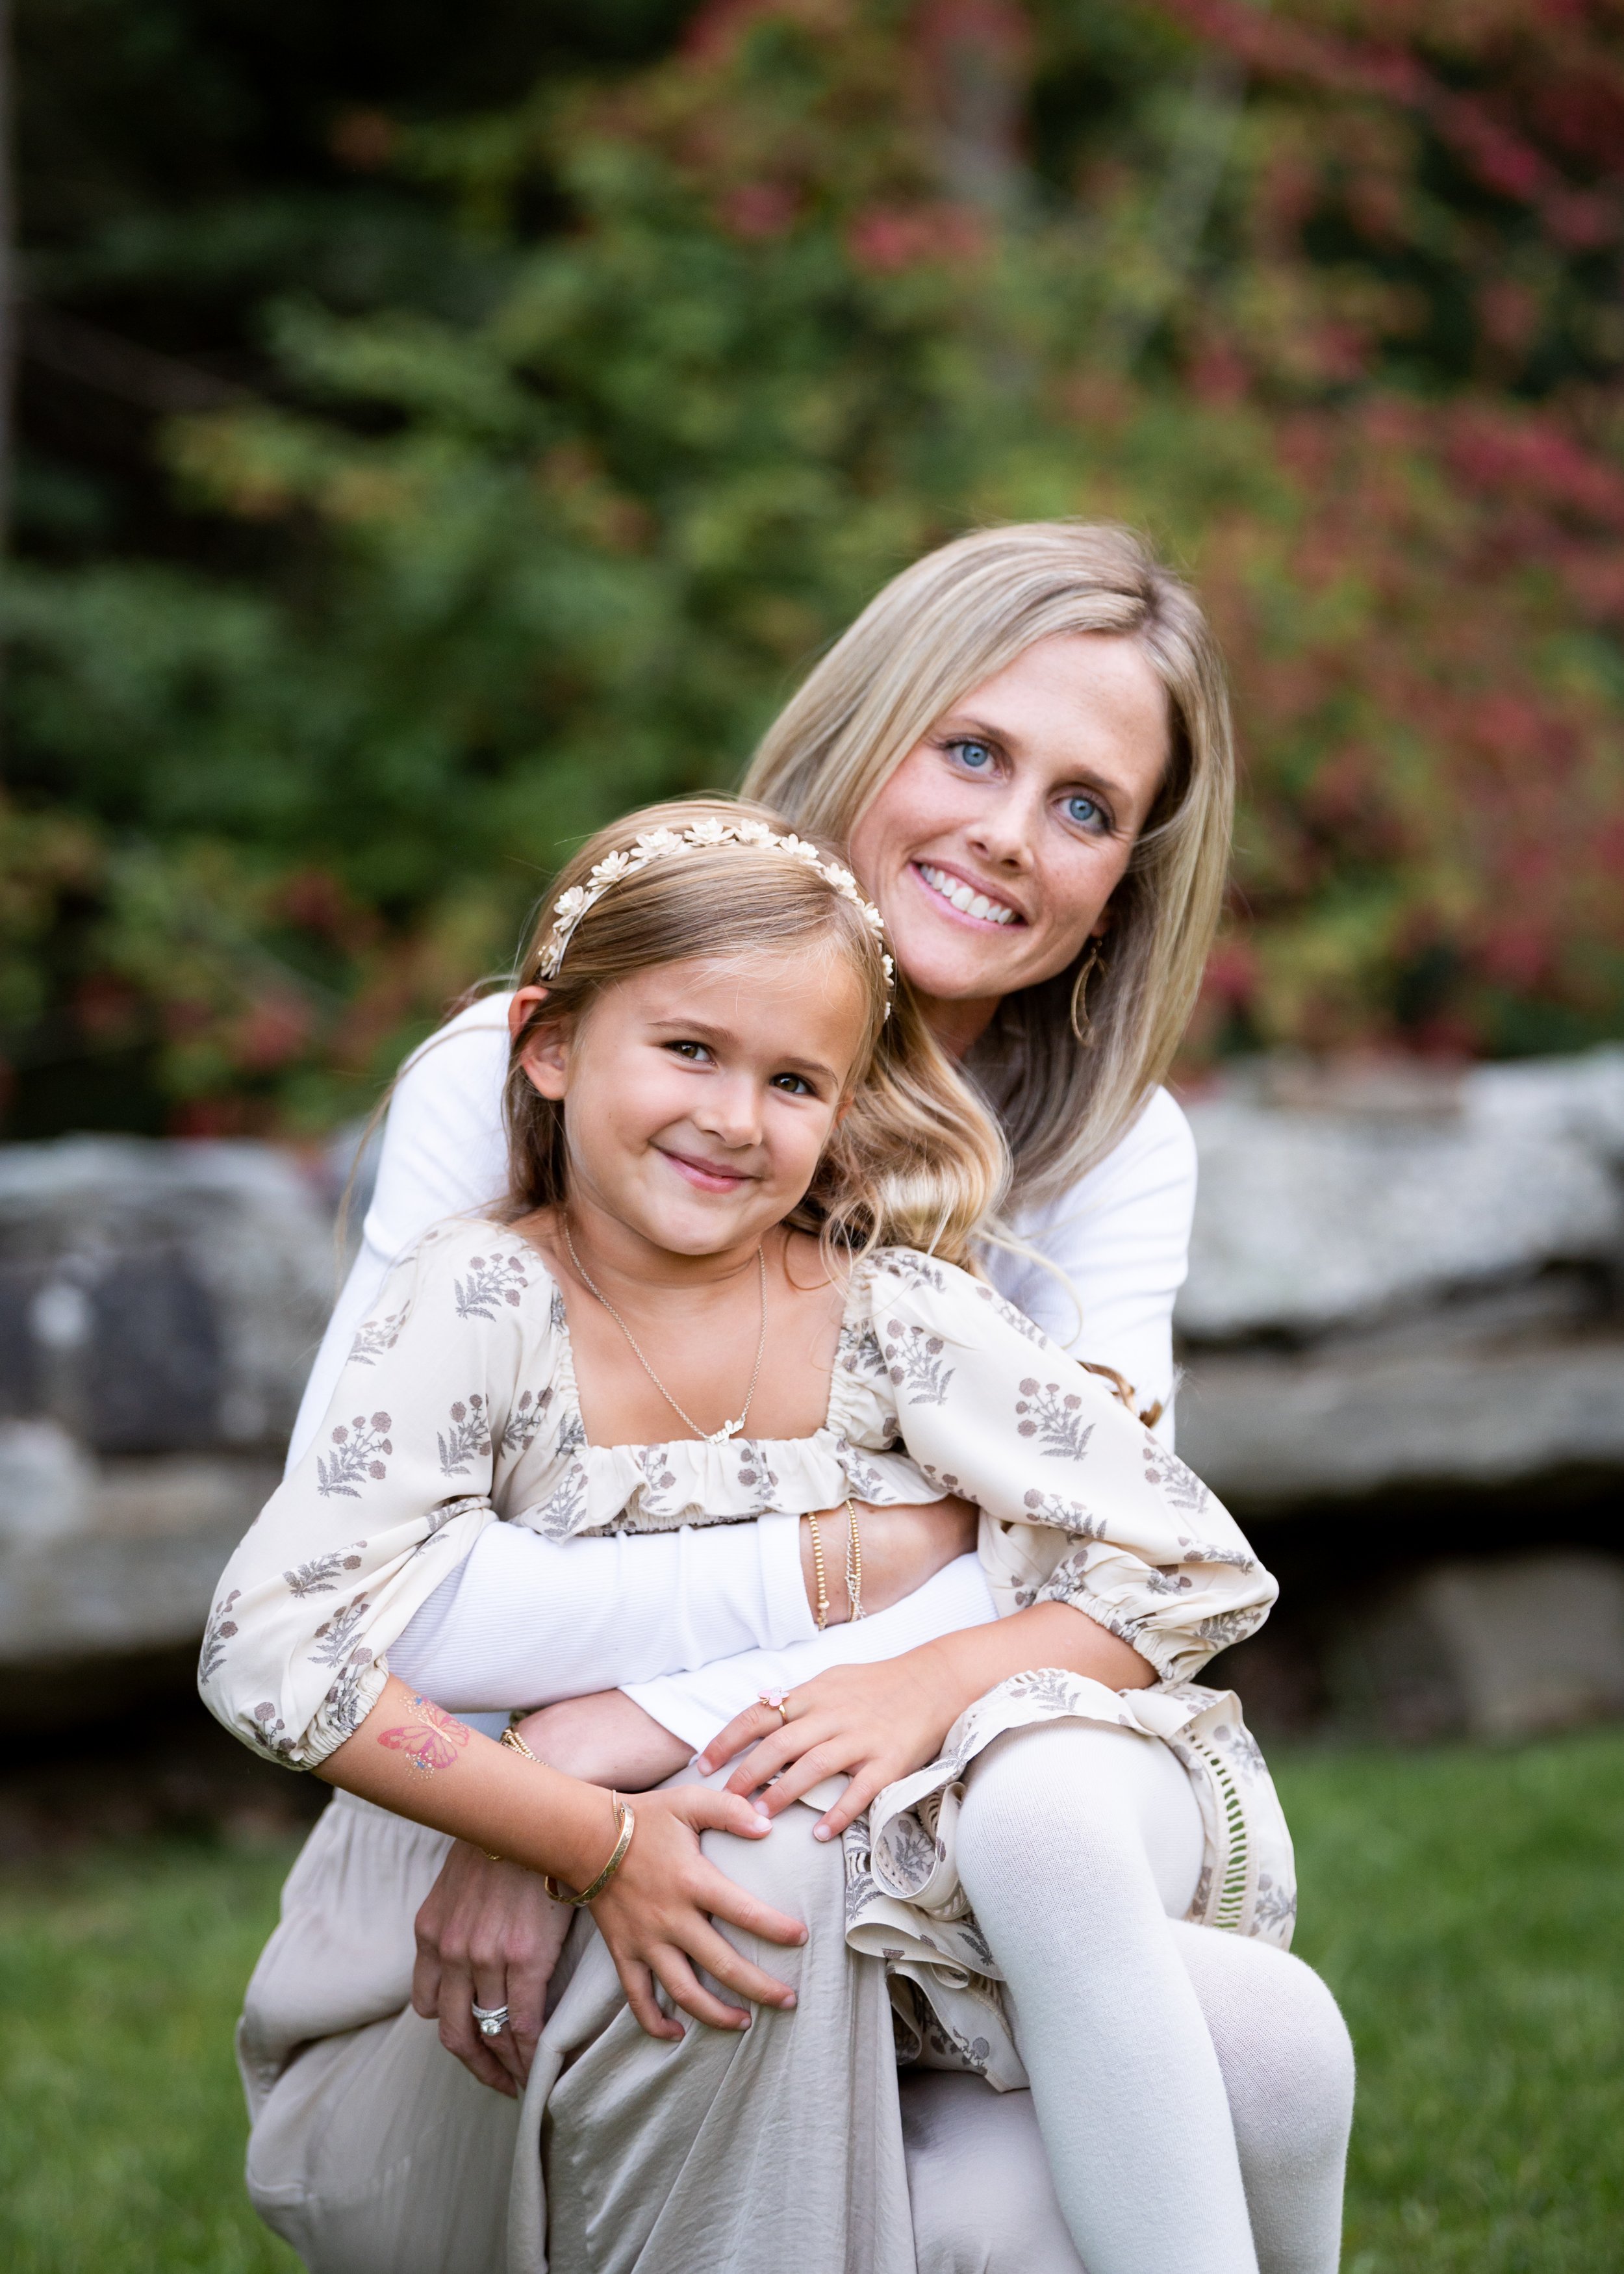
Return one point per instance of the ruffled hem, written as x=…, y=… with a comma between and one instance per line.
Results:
x=905, y=1904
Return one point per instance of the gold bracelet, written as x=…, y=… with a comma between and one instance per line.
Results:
x=819, y=1573
x=627, y=1824
x=516, y=1743
x=854, y=1561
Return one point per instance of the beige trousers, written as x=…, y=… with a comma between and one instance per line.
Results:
x=795, y=2149
x=373, y=2151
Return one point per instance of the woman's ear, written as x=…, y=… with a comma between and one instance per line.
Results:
x=546, y=1055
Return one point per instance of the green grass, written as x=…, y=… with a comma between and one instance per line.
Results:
x=1466, y=1907
x=121, y=2116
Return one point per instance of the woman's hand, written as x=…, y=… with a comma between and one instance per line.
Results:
x=873, y=1723
x=902, y=1547
x=488, y=1935
x=655, y=1913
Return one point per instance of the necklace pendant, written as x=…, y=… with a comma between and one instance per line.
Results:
x=728, y=1429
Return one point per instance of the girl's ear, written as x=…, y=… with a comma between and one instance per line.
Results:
x=546, y=1055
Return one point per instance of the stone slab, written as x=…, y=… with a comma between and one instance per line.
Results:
x=160, y=1296
x=1501, y=1650
x=134, y=1569
x=1327, y=1201
x=1272, y=1430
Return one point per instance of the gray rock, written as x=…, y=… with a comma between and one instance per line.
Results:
x=1329, y=1202
x=1500, y=1650
x=137, y=1571
x=46, y=1485
x=159, y=1296
x=1270, y=1432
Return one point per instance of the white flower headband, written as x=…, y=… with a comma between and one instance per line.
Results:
x=655, y=844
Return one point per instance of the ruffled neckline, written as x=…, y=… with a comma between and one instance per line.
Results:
x=855, y=1449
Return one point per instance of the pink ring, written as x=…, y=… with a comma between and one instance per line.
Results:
x=775, y=1699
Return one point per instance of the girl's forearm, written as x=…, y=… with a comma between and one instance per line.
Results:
x=960, y=1668
x=413, y=1758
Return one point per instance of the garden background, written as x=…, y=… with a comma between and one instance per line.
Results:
x=439, y=428
x=436, y=429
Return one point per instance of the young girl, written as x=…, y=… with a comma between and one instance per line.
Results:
x=744, y=1180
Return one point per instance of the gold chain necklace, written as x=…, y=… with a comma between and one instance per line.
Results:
x=728, y=1429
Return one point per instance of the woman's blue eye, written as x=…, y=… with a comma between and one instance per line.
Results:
x=1083, y=811
x=977, y=756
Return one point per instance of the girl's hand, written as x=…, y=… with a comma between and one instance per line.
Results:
x=875, y=1723
x=488, y=1934
x=655, y=1913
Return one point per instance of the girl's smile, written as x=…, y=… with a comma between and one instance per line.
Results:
x=707, y=1176
x=697, y=1102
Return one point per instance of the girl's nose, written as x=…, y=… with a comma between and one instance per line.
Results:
x=731, y=1111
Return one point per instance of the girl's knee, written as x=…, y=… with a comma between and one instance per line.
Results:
x=1282, y=2042
x=1072, y=1804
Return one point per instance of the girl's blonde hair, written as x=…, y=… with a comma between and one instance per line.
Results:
x=954, y=621
x=916, y=1161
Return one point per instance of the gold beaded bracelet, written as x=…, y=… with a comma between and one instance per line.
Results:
x=854, y=1561
x=819, y=1573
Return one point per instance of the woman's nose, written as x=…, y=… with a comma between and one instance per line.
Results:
x=1004, y=830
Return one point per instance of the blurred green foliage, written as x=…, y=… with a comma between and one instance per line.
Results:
x=509, y=444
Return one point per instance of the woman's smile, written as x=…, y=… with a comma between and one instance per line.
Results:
x=963, y=897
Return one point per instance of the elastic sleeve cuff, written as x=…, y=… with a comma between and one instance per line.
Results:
x=783, y=1590
x=1169, y=1655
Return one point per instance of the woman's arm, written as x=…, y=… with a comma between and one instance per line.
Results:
x=444, y=1153
x=1120, y=1242
x=524, y=1622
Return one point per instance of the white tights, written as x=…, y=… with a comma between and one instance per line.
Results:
x=1193, y=2089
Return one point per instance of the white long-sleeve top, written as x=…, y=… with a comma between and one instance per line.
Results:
x=524, y=1618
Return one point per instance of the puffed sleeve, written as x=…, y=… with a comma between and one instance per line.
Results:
x=1081, y=1503
x=390, y=1495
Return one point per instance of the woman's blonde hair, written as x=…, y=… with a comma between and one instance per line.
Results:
x=954, y=621
x=915, y=1162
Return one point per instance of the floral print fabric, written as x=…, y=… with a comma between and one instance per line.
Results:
x=458, y=1408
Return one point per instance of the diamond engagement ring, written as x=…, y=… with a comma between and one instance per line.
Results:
x=493, y=2020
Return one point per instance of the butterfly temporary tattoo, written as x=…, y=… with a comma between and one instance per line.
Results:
x=434, y=1744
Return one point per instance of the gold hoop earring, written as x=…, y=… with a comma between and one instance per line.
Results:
x=1082, y=1025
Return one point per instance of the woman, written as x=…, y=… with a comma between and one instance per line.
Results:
x=1024, y=742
